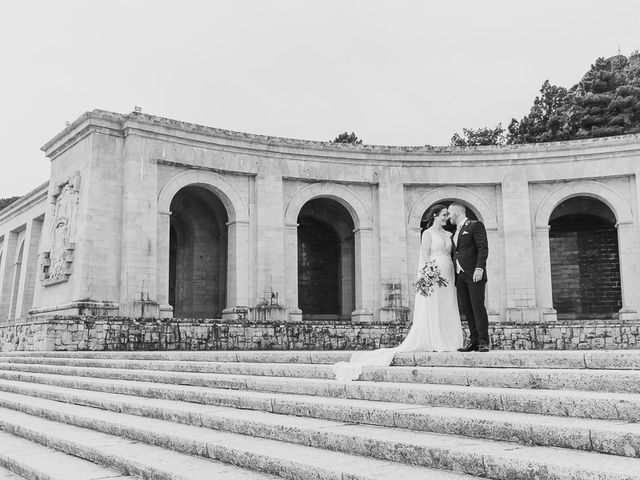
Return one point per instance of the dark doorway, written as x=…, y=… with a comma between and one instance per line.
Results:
x=326, y=260
x=585, y=263
x=197, y=254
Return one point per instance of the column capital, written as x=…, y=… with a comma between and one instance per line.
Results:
x=624, y=224
x=237, y=222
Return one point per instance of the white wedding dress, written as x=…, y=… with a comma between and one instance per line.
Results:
x=436, y=323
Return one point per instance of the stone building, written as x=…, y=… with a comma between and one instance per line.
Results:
x=151, y=218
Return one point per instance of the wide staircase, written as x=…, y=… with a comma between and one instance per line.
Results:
x=265, y=415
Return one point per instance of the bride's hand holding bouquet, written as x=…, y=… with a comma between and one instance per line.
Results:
x=429, y=277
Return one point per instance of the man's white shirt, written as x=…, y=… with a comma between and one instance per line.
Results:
x=455, y=241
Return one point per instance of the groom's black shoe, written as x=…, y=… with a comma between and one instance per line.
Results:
x=483, y=348
x=469, y=348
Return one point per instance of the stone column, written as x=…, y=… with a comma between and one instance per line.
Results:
x=393, y=254
x=139, y=258
x=15, y=279
x=29, y=272
x=518, y=251
x=544, y=287
x=164, y=223
x=493, y=294
x=269, y=262
x=413, y=255
x=291, y=272
x=365, y=285
x=238, y=271
x=7, y=267
x=629, y=251
x=347, y=272
x=628, y=271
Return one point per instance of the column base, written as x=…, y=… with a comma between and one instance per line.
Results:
x=549, y=315
x=294, y=315
x=166, y=311
x=140, y=309
x=523, y=315
x=88, y=307
x=365, y=316
x=235, y=313
x=268, y=314
x=626, y=313
x=394, y=315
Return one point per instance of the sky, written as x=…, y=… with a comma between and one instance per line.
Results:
x=396, y=72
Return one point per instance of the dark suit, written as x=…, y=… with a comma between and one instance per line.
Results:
x=470, y=252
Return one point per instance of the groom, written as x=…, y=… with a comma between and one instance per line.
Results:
x=469, y=254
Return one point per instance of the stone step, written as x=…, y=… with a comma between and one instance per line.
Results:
x=577, y=359
x=259, y=396
x=9, y=475
x=23, y=459
x=184, y=449
x=229, y=368
x=590, y=404
x=288, y=422
x=601, y=380
x=548, y=379
x=90, y=449
x=392, y=448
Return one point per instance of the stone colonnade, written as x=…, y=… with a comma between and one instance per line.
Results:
x=519, y=269
x=103, y=221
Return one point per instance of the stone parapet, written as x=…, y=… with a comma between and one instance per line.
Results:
x=120, y=333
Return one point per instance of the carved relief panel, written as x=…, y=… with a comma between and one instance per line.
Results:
x=57, y=261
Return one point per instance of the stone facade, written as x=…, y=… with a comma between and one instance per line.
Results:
x=139, y=207
x=95, y=333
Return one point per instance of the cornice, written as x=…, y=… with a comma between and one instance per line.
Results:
x=35, y=196
x=151, y=126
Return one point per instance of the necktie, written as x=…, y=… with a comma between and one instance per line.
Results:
x=455, y=237
x=455, y=241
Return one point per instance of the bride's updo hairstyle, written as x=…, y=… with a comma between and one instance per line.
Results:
x=432, y=213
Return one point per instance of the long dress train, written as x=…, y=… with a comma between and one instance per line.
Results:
x=436, y=323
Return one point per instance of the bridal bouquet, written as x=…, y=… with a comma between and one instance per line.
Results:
x=429, y=277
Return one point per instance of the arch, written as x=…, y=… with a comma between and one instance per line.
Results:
x=198, y=261
x=335, y=191
x=326, y=260
x=234, y=204
x=481, y=206
x=584, y=258
x=587, y=188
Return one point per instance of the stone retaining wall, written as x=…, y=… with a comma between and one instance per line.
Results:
x=109, y=333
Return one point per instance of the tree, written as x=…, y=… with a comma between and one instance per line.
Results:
x=481, y=136
x=5, y=202
x=605, y=102
x=607, y=99
x=350, y=138
x=545, y=121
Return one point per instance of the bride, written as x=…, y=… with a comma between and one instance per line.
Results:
x=436, y=321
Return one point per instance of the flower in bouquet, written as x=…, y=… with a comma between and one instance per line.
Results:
x=429, y=277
